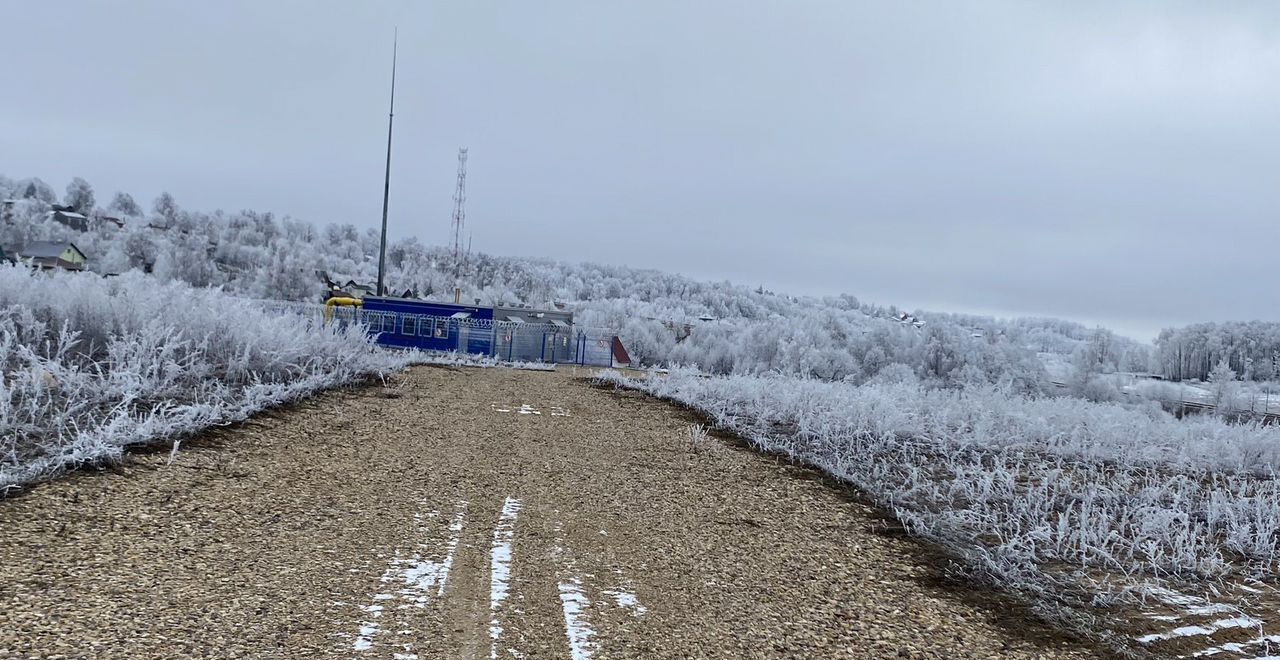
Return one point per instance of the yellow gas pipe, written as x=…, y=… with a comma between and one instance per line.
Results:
x=339, y=301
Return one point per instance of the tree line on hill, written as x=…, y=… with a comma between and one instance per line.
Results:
x=663, y=317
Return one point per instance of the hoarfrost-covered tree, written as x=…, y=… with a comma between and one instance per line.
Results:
x=165, y=209
x=186, y=260
x=36, y=189
x=79, y=196
x=1136, y=360
x=123, y=204
x=1222, y=382
x=140, y=249
x=286, y=276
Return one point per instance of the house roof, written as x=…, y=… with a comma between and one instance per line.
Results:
x=47, y=249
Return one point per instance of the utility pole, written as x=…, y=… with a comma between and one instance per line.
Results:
x=386, y=183
x=459, y=219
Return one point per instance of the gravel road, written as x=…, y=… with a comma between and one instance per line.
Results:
x=475, y=513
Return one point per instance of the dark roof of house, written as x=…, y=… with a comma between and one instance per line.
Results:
x=47, y=249
x=71, y=219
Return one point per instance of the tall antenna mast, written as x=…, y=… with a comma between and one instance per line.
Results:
x=386, y=183
x=459, y=211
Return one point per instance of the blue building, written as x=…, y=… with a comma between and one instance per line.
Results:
x=512, y=333
x=428, y=325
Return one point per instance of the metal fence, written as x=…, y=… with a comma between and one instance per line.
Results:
x=506, y=340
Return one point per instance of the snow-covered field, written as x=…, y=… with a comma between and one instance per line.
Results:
x=1074, y=505
x=93, y=365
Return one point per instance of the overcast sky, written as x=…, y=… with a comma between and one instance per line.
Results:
x=1109, y=162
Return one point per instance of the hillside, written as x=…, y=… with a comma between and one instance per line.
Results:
x=664, y=318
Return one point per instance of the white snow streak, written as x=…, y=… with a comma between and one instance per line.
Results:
x=420, y=577
x=500, y=569
x=1207, y=629
x=526, y=409
x=368, y=629
x=628, y=600
x=576, y=628
x=1240, y=648
x=455, y=531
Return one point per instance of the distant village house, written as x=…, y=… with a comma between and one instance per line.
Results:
x=66, y=216
x=48, y=255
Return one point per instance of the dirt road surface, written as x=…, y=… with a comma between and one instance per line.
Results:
x=477, y=513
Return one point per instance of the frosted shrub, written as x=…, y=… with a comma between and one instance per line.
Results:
x=1099, y=389
x=699, y=440
x=1058, y=498
x=93, y=365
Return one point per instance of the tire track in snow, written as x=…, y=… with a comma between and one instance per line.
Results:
x=500, y=569
x=574, y=602
x=579, y=632
x=422, y=576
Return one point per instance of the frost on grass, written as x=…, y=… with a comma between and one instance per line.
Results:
x=456, y=359
x=1071, y=503
x=94, y=365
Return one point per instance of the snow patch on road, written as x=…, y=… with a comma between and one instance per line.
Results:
x=420, y=576
x=526, y=409
x=579, y=632
x=425, y=576
x=455, y=532
x=364, y=641
x=627, y=600
x=500, y=569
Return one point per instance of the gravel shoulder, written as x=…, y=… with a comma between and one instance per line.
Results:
x=476, y=513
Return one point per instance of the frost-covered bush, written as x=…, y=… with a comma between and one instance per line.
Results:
x=1099, y=389
x=93, y=365
x=1058, y=498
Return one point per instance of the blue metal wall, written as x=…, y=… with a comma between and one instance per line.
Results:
x=431, y=326
x=404, y=306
